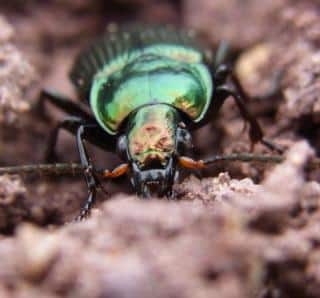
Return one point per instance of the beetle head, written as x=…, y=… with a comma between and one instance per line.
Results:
x=151, y=145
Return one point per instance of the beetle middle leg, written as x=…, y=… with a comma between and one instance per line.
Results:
x=62, y=102
x=229, y=85
x=78, y=115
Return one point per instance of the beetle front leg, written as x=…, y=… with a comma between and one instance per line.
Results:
x=90, y=174
x=70, y=124
x=93, y=184
x=90, y=178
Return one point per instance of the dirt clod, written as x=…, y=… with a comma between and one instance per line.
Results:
x=16, y=75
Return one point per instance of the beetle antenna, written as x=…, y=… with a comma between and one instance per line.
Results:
x=245, y=157
x=56, y=169
x=250, y=157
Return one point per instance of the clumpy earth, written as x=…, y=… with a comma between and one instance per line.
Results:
x=236, y=230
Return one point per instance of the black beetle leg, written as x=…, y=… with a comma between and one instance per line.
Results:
x=274, y=90
x=255, y=131
x=221, y=55
x=91, y=179
x=63, y=103
x=86, y=208
x=97, y=135
x=221, y=74
x=92, y=133
x=70, y=124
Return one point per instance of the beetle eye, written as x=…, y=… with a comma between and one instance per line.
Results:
x=122, y=147
x=184, y=140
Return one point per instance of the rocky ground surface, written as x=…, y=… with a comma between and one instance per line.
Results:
x=242, y=230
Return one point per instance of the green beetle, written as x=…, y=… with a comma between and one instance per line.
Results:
x=147, y=88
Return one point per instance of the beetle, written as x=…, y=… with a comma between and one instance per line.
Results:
x=147, y=89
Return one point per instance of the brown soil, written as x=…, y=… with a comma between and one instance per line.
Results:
x=242, y=230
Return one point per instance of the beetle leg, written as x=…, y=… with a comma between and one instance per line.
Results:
x=221, y=74
x=85, y=210
x=221, y=54
x=63, y=103
x=81, y=129
x=272, y=92
x=70, y=124
x=255, y=131
x=89, y=175
x=97, y=135
x=242, y=94
x=78, y=127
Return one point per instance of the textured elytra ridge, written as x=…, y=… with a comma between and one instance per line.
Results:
x=104, y=53
x=144, y=67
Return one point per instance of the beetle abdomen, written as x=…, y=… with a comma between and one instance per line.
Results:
x=127, y=69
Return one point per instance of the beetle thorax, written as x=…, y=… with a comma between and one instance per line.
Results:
x=152, y=135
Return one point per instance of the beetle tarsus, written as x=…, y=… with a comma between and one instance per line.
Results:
x=85, y=210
